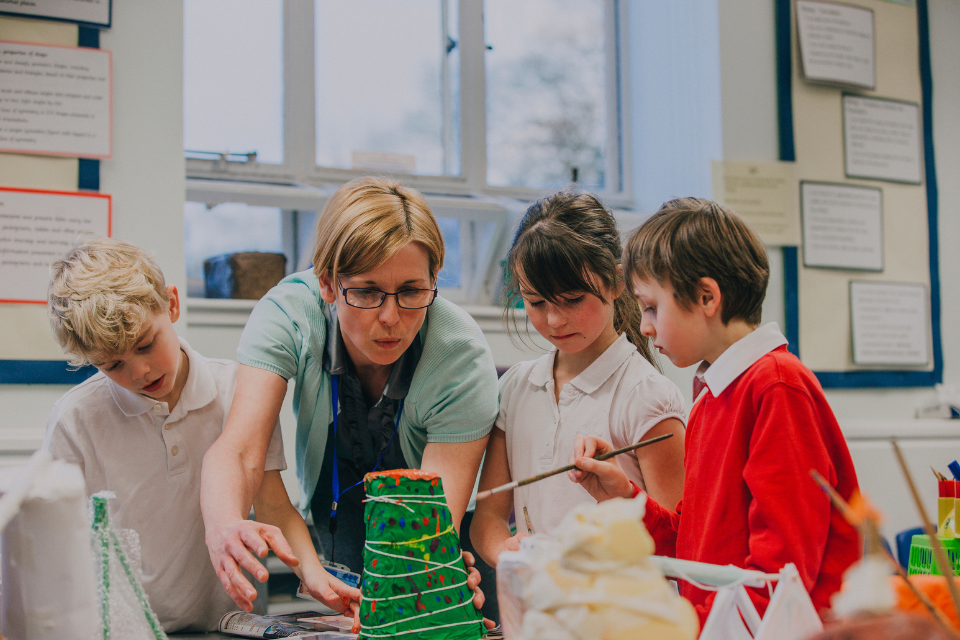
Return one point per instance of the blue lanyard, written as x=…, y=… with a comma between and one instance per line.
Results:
x=337, y=494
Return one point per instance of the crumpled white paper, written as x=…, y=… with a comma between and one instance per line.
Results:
x=593, y=580
x=49, y=590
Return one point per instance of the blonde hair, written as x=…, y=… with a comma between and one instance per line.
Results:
x=100, y=294
x=367, y=221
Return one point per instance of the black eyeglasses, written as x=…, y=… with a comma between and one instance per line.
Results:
x=363, y=298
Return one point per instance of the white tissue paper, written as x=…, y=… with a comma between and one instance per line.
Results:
x=866, y=588
x=48, y=587
x=593, y=580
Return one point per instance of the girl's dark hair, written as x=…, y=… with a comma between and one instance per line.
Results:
x=566, y=242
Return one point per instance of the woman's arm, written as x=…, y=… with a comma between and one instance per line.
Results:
x=231, y=476
x=490, y=528
x=272, y=506
x=457, y=463
x=662, y=464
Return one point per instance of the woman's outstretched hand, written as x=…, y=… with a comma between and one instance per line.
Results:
x=473, y=583
x=234, y=545
x=601, y=478
x=334, y=593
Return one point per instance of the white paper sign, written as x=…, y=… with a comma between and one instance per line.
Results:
x=836, y=43
x=55, y=100
x=39, y=227
x=842, y=226
x=881, y=139
x=764, y=194
x=890, y=323
x=96, y=12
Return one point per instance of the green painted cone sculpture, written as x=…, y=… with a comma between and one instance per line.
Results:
x=414, y=582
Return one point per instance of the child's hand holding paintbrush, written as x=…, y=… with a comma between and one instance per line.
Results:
x=603, y=479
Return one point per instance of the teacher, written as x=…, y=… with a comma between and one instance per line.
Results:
x=388, y=376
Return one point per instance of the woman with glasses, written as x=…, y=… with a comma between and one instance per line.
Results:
x=387, y=376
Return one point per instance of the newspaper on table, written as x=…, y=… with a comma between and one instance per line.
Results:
x=250, y=625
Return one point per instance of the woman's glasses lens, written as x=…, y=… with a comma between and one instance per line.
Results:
x=373, y=298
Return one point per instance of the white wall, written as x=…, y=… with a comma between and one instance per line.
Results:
x=145, y=176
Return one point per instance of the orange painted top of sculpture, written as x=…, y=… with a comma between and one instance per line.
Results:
x=413, y=474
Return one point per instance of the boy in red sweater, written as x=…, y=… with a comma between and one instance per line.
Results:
x=759, y=427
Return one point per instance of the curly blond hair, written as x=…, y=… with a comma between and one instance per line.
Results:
x=100, y=294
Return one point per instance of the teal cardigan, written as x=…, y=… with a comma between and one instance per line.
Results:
x=453, y=396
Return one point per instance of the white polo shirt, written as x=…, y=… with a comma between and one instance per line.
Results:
x=134, y=446
x=619, y=397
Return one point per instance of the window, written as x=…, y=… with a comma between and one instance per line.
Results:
x=466, y=101
x=546, y=124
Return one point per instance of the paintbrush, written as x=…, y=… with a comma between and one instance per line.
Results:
x=943, y=563
x=569, y=467
x=939, y=475
x=526, y=516
x=871, y=533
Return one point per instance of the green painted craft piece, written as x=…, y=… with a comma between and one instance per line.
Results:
x=414, y=579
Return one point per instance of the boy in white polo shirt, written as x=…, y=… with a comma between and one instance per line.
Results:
x=141, y=427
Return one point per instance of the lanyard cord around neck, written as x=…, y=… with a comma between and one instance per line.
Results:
x=337, y=494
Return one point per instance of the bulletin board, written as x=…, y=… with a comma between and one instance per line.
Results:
x=28, y=352
x=811, y=123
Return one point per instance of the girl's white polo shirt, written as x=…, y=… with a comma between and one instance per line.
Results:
x=619, y=397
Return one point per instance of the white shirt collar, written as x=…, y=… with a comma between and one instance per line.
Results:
x=593, y=377
x=740, y=356
x=199, y=390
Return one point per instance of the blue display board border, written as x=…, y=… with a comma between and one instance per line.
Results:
x=57, y=371
x=872, y=378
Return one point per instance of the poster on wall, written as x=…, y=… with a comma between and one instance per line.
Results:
x=890, y=323
x=881, y=139
x=764, y=194
x=842, y=226
x=836, y=43
x=95, y=13
x=38, y=227
x=55, y=100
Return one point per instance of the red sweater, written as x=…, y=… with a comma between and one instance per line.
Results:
x=749, y=499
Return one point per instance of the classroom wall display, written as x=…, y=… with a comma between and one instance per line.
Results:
x=842, y=226
x=814, y=135
x=881, y=139
x=836, y=43
x=96, y=13
x=55, y=100
x=889, y=323
x=763, y=194
x=28, y=352
x=39, y=227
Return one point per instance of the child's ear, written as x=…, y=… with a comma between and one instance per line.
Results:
x=708, y=296
x=328, y=289
x=173, y=310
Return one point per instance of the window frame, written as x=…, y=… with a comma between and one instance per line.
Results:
x=299, y=112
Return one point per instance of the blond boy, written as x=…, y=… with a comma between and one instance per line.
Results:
x=141, y=426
